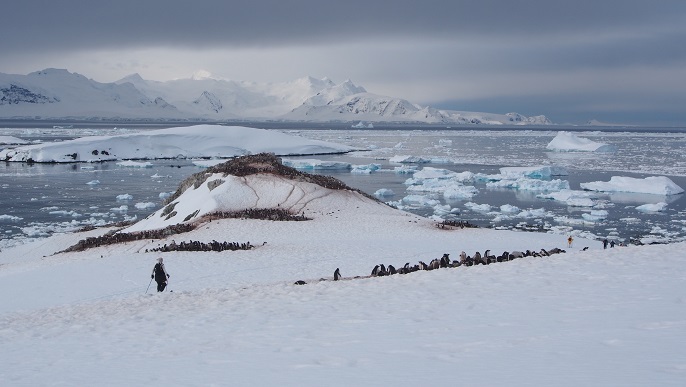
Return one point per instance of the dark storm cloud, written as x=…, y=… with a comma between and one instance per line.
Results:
x=60, y=25
x=571, y=58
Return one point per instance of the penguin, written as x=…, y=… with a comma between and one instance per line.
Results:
x=375, y=271
x=336, y=275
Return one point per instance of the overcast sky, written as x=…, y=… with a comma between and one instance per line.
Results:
x=618, y=61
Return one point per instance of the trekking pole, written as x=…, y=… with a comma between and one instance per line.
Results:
x=146, y=290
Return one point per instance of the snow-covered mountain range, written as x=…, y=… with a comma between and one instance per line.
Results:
x=58, y=93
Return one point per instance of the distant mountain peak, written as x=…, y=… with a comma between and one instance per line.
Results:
x=53, y=93
x=133, y=78
x=201, y=75
x=209, y=101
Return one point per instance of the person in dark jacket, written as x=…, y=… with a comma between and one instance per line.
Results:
x=160, y=275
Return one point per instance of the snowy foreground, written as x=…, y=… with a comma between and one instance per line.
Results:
x=594, y=317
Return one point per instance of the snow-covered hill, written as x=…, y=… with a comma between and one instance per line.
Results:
x=54, y=93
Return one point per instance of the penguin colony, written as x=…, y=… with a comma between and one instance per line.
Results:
x=486, y=258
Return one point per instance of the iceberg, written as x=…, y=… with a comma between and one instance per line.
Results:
x=656, y=185
x=572, y=198
x=315, y=164
x=652, y=207
x=525, y=184
x=439, y=173
x=405, y=159
x=384, y=192
x=478, y=207
x=365, y=169
x=569, y=142
x=536, y=172
x=442, y=181
x=362, y=125
x=595, y=215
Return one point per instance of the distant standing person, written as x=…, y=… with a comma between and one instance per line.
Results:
x=612, y=244
x=159, y=273
x=605, y=243
x=569, y=241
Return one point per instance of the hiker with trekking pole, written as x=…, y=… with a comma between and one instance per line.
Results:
x=160, y=275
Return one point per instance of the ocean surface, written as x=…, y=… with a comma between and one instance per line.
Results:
x=37, y=200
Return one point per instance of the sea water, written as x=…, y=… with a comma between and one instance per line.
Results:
x=37, y=200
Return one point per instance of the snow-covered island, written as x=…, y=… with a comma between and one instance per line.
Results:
x=199, y=141
x=85, y=298
x=570, y=142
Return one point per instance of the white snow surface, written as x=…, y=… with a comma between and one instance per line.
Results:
x=11, y=140
x=655, y=185
x=592, y=318
x=182, y=142
x=570, y=142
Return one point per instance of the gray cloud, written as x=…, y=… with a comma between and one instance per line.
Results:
x=72, y=24
x=553, y=51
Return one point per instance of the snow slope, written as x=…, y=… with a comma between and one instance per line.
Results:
x=594, y=318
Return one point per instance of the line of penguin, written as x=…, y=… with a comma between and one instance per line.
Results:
x=202, y=246
x=486, y=258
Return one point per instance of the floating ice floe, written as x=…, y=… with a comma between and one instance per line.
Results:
x=315, y=164
x=459, y=192
x=420, y=200
x=145, y=205
x=595, y=215
x=572, y=198
x=526, y=184
x=164, y=195
x=365, y=169
x=652, y=207
x=442, y=181
x=135, y=164
x=120, y=209
x=124, y=197
x=656, y=185
x=509, y=209
x=533, y=213
x=93, y=182
x=384, y=192
x=536, y=172
x=406, y=169
x=10, y=218
x=569, y=142
x=443, y=174
x=478, y=207
x=405, y=159
x=362, y=125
